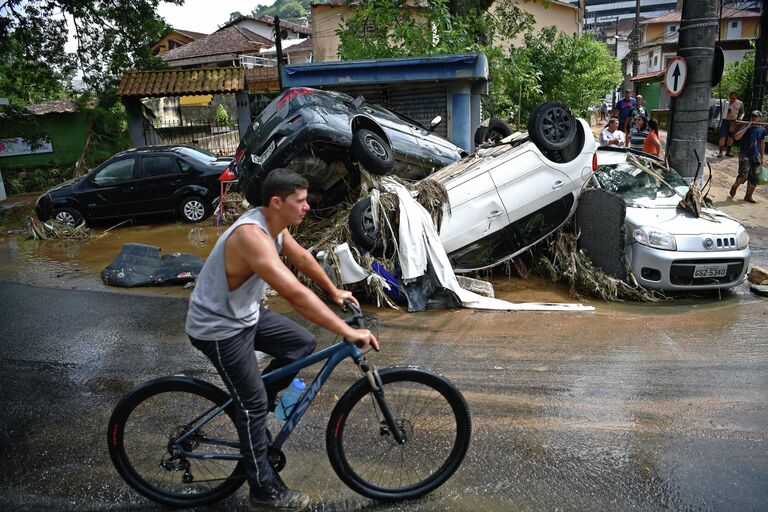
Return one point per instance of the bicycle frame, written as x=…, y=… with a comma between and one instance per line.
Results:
x=333, y=354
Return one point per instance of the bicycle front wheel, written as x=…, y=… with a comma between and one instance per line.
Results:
x=142, y=443
x=431, y=413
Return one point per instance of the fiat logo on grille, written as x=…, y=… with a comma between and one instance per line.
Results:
x=709, y=243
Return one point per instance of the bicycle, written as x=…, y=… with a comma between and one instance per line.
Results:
x=397, y=433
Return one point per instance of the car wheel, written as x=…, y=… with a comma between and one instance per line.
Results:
x=68, y=216
x=493, y=133
x=552, y=126
x=194, y=209
x=364, y=232
x=372, y=152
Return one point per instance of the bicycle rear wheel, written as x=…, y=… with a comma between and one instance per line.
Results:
x=429, y=410
x=144, y=426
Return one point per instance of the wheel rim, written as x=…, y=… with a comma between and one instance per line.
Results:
x=66, y=218
x=369, y=226
x=147, y=443
x=556, y=124
x=374, y=457
x=194, y=210
x=376, y=147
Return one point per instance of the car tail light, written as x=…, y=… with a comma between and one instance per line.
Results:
x=293, y=93
x=239, y=154
x=594, y=162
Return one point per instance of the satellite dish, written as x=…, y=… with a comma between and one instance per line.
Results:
x=283, y=34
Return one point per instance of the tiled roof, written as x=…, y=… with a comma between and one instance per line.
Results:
x=262, y=80
x=302, y=46
x=190, y=34
x=52, y=107
x=303, y=29
x=269, y=20
x=648, y=75
x=177, y=82
x=225, y=43
x=728, y=13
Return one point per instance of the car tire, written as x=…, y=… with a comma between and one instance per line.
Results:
x=68, y=216
x=372, y=152
x=364, y=232
x=574, y=148
x=194, y=209
x=493, y=133
x=552, y=126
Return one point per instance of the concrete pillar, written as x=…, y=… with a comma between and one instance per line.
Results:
x=243, y=111
x=460, y=117
x=687, y=139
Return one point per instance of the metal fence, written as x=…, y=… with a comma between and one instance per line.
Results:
x=218, y=138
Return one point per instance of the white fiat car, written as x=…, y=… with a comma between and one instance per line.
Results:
x=669, y=248
x=506, y=197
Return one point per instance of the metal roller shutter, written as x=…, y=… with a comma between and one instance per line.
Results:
x=421, y=102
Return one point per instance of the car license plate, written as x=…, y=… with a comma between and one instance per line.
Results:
x=260, y=159
x=713, y=270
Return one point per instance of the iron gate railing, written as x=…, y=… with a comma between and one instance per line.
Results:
x=218, y=138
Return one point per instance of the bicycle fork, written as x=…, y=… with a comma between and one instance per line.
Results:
x=377, y=390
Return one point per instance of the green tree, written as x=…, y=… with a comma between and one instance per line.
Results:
x=573, y=68
x=739, y=77
x=110, y=36
x=287, y=10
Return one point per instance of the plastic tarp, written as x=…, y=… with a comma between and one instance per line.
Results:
x=142, y=265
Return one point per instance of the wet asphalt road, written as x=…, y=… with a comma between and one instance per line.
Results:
x=633, y=407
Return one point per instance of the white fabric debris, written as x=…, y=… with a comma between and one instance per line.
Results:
x=419, y=244
x=351, y=272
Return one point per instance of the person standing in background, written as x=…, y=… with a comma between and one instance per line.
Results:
x=734, y=112
x=652, y=144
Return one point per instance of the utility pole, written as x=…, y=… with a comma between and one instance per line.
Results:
x=687, y=137
x=636, y=42
x=279, y=50
x=616, y=54
x=761, y=62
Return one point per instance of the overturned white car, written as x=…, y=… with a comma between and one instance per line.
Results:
x=507, y=197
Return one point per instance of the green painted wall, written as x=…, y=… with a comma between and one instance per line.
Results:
x=67, y=132
x=650, y=92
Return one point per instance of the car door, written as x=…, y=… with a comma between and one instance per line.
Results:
x=110, y=192
x=160, y=177
x=537, y=196
x=477, y=218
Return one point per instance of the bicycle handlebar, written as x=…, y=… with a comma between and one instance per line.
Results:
x=356, y=320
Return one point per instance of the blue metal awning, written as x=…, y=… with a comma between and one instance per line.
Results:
x=466, y=67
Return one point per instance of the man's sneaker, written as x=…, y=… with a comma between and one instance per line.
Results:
x=277, y=497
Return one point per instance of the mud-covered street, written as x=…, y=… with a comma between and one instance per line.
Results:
x=634, y=406
x=630, y=407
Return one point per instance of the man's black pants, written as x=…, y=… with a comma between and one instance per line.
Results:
x=236, y=361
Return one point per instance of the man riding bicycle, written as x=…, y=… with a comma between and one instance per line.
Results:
x=227, y=323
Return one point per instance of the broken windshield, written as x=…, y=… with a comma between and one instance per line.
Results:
x=633, y=183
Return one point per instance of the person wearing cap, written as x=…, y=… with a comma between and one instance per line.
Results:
x=751, y=155
x=624, y=108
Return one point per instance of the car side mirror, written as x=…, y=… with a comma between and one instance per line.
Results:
x=358, y=102
x=435, y=122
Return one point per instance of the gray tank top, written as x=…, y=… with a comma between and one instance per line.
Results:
x=215, y=312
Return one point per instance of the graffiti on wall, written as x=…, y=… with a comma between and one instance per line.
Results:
x=19, y=146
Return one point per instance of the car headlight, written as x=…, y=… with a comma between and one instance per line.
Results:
x=742, y=238
x=654, y=238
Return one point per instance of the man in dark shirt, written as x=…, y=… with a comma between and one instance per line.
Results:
x=624, y=106
x=750, y=155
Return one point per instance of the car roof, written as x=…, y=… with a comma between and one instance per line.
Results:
x=166, y=148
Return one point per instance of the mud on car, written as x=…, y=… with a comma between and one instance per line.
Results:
x=508, y=195
x=323, y=135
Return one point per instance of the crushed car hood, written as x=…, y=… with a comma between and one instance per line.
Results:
x=680, y=222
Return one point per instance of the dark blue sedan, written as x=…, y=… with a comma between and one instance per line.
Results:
x=151, y=180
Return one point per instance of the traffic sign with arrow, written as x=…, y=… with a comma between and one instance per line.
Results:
x=676, y=76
